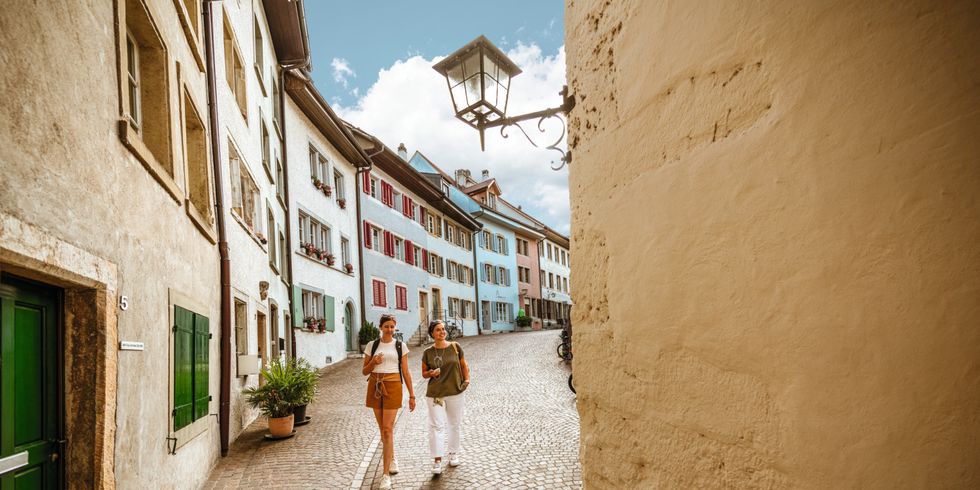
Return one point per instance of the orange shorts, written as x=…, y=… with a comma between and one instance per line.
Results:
x=384, y=391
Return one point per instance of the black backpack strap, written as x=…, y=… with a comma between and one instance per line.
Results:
x=374, y=347
x=398, y=350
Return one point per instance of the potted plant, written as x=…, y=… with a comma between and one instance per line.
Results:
x=321, y=325
x=317, y=183
x=309, y=376
x=523, y=321
x=331, y=259
x=349, y=268
x=367, y=333
x=342, y=203
x=327, y=190
x=310, y=323
x=283, y=389
x=309, y=248
x=261, y=238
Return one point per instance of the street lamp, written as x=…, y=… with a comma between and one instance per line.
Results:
x=478, y=76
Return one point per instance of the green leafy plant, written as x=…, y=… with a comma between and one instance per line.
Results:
x=368, y=333
x=310, y=378
x=523, y=321
x=284, y=388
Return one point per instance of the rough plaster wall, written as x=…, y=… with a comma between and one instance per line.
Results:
x=798, y=306
x=65, y=170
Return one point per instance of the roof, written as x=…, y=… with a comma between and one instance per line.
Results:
x=287, y=27
x=299, y=86
x=390, y=163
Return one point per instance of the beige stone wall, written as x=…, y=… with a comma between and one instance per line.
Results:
x=65, y=171
x=777, y=239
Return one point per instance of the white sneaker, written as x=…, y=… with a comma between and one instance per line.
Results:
x=385, y=482
x=393, y=469
x=437, y=468
x=453, y=459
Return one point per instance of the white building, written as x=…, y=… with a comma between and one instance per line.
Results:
x=555, y=263
x=322, y=175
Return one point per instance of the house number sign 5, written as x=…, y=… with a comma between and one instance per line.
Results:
x=123, y=303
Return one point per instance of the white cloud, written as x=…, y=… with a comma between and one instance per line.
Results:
x=342, y=71
x=410, y=104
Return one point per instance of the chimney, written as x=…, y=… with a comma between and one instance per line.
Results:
x=402, y=151
x=486, y=175
x=462, y=175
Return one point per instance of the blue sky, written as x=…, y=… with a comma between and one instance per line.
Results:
x=371, y=35
x=373, y=62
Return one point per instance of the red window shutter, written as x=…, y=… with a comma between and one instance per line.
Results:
x=384, y=193
x=367, y=182
x=409, y=253
x=422, y=213
x=383, y=288
x=411, y=208
x=388, y=244
x=367, y=235
x=425, y=259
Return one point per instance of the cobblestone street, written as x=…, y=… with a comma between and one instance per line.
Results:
x=520, y=429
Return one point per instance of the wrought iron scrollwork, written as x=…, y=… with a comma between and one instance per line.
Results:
x=566, y=157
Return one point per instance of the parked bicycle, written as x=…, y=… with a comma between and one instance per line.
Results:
x=453, y=332
x=570, y=385
x=565, y=347
x=399, y=336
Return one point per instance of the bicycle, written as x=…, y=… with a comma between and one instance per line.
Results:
x=565, y=347
x=453, y=332
x=399, y=336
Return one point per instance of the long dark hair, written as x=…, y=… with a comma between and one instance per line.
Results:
x=432, y=326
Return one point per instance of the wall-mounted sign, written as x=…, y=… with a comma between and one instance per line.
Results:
x=127, y=345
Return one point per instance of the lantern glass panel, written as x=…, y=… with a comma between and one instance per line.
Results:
x=472, y=85
x=471, y=64
x=459, y=97
x=490, y=90
x=455, y=74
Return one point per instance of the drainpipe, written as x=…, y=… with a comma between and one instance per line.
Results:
x=290, y=349
x=476, y=284
x=360, y=229
x=224, y=397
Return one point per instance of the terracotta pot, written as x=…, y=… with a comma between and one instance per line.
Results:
x=282, y=426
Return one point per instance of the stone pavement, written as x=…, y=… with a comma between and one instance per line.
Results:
x=520, y=429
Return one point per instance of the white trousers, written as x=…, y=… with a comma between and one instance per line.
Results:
x=444, y=418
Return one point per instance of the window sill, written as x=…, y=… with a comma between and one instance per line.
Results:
x=249, y=231
x=281, y=201
x=132, y=140
x=189, y=433
x=268, y=172
x=321, y=262
x=206, y=229
x=192, y=37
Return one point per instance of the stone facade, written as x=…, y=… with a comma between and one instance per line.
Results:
x=797, y=307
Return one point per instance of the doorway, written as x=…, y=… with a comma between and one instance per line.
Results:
x=436, y=304
x=423, y=308
x=274, y=324
x=263, y=343
x=349, y=327
x=486, y=314
x=31, y=385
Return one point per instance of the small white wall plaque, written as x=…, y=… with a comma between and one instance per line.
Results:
x=128, y=345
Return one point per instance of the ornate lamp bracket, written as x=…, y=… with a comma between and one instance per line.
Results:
x=543, y=115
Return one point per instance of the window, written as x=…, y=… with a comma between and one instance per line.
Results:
x=345, y=250
x=312, y=302
x=375, y=239
x=564, y=283
x=450, y=233
x=454, y=307
x=314, y=232
x=399, y=249
x=338, y=185
x=192, y=338
x=493, y=201
x=501, y=245
x=273, y=259
x=380, y=292
x=241, y=327
x=549, y=251
x=551, y=281
x=244, y=192
x=503, y=312
x=396, y=200
x=418, y=256
x=318, y=168
x=282, y=257
x=143, y=78
x=133, y=76
x=276, y=106
x=235, y=70
x=451, y=270
x=374, y=188
x=487, y=273
x=259, y=51
x=266, y=147
x=401, y=297
x=280, y=182
x=196, y=156
x=542, y=278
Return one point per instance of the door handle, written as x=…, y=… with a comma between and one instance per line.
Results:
x=13, y=462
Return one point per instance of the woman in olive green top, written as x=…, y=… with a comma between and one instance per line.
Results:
x=445, y=367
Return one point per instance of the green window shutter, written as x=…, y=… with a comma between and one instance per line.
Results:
x=328, y=313
x=202, y=338
x=297, y=307
x=183, y=368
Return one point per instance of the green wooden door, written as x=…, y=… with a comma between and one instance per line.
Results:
x=30, y=408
